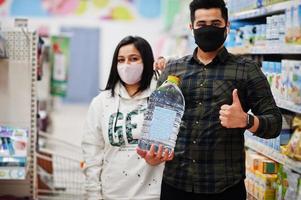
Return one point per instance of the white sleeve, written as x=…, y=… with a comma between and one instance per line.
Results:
x=93, y=150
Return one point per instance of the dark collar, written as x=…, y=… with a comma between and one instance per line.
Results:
x=223, y=55
x=220, y=57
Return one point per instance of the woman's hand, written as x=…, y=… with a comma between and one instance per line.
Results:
x=155, y=158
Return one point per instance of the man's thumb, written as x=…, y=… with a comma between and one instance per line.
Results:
x=235, y=97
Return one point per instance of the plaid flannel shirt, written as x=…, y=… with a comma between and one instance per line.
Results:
x=208, y=157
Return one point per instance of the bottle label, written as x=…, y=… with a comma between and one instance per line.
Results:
x=59, y=71
x=162, y=123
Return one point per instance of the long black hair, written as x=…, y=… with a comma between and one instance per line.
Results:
x=147, y=57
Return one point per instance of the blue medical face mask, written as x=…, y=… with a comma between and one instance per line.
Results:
x=210, y=38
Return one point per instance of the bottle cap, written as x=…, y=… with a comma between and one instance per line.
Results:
x=173, y=79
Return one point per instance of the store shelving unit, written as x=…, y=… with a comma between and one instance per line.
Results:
x=267, y=50
x=18, y=105
x=288, y=105
x=260, y=12
x=267, y=47
x=273, y=154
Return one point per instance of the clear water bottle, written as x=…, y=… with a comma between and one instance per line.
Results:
x=162, y=119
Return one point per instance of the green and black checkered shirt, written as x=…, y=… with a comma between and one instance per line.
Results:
x=208, y=157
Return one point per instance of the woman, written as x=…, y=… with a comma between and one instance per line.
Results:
x=113, y=169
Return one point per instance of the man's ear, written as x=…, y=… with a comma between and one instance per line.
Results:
x=191, y=29
x=228, y=27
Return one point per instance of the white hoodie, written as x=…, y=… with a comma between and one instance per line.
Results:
x=114, y=171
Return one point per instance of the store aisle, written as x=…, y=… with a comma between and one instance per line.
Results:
x=60, y=157
x=68, y=121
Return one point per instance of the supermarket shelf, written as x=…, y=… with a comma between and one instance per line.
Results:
x=288, y=105
x=268, y=49
x=273, y=154
x=279, y=7
x=20, y=109
x=13, y=173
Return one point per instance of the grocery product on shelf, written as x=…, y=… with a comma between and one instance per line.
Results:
x=293, y=148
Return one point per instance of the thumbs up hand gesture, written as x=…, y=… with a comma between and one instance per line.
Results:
x=233, y=116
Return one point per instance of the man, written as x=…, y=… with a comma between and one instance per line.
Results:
x=219, y=90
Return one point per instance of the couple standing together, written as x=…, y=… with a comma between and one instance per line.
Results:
x=209, y=158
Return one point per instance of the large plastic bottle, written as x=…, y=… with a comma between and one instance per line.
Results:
x=163, y=116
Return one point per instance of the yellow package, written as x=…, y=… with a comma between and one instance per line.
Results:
x=293, y=148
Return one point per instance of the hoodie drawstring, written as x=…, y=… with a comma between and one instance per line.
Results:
x=117, y=113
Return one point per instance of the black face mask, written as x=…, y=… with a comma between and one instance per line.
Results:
x=209, y=38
